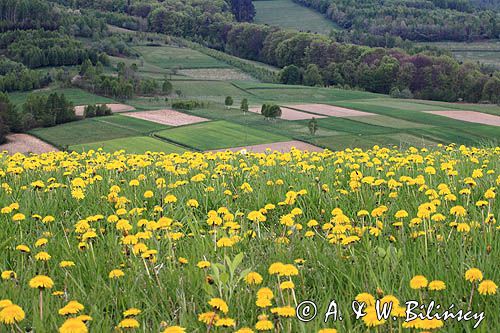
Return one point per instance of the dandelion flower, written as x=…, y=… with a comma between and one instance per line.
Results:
x=487, y=287
x=418, y=282
x=219, y=304
x=253, y=278
x=473, y=275
x=174, y=329
x=129, y=323
x=11, y=314
x=41, y=282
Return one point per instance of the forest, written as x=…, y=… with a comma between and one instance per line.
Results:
x=417, y=20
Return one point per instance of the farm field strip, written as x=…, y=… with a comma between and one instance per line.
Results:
x=289, y=114
x=115, y=108
x=25, y=143
x=281, y=147
x=134, y=145
x=292, y=16
x=329, y=110
x=167, y=117
x=217, y=135
x=168, y=57
x=470, y=116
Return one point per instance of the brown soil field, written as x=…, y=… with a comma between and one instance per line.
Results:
x=24, y=143
x=276, y=146
x=329, y=110
x=470, y=116
x=115, y=108
x=167, y=117
x=289, y=114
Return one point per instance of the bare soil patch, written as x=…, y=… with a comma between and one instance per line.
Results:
x=276, y=146
x=24, y=143
x=167, y=117
x=470, y=116
x=115, y=108
x=330, y=110
x=289, y=114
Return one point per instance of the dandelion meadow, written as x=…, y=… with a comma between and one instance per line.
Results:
x=233, y=242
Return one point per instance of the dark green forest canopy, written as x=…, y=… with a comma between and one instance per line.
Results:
x=418, y=20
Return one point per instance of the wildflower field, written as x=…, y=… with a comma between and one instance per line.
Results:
x=232, y=242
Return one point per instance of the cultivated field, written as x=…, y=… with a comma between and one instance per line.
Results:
x=134, y=145
x=115, y=108
x=470, y=116
x=292, y=16
x=218, y=134
x=223, y=242
x=26, y=144
x=281, y=147
x=167, y=117
x=289, y=114
x=486, y=52
x=330, y=110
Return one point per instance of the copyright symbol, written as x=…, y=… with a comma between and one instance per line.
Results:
x=306, y=311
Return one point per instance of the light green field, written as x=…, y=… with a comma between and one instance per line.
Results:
x=487, y=52
x=95, y=130
x=75, y=95
x=217, y=135
x=287, y=14
x=167, y=57
x=135, y=145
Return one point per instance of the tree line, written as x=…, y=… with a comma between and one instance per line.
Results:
x=418, y=20
x=37, y=111
x=318, y=60
x=40, y=48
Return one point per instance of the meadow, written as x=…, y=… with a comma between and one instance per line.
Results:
x=486, y=52
x=229, y=242
x=292, y=16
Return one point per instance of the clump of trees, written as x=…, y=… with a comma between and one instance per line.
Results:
x=16, y=77
x=40, y=48
x=188, y=105
x=124, y=86
x=270, y=111
x=228, y=102
x=99, y=110
x=38, y=111
x=7, y=110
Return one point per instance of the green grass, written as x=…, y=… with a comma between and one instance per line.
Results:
x=218, y=134
x=486, y=52
x=289, y=15
x=167, y=57
x=75, y=95
x=381, y=260
x=134, y=145
x=287, y=93
x=95, y=130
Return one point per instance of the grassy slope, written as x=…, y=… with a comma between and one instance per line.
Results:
x=487, y=52
x=218, y=134
x=95, y=130
x=135, y=145
x=287, y=14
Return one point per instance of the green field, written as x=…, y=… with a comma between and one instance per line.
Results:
x=95, y=130
x=486, y=52
x=287, y=14
x=167, y=57
x=217, y=135
x=134, y=145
